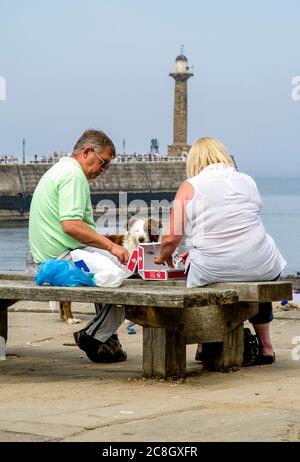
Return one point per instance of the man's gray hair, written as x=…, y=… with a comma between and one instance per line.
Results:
x=97, y=139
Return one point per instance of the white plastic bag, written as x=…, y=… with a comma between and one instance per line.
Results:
x=106, y=272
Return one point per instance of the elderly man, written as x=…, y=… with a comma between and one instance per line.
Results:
x=61, y=219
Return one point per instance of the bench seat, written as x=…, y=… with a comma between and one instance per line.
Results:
x=172, y=315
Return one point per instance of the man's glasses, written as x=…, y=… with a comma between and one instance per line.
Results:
x=104, y=163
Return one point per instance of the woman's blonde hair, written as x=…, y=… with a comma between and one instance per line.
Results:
x=204, y=152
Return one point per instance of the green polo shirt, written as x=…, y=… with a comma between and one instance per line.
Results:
x=63, y=193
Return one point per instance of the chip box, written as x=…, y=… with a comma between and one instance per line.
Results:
x=143, y=257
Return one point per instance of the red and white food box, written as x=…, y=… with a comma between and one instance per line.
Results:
x=149, y=270
x=133, y=261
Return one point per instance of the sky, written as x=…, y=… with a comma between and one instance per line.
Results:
x=69, y=65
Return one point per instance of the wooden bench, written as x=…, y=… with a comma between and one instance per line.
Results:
x=172, y=315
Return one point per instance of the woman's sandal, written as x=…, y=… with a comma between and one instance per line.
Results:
x=261, y=359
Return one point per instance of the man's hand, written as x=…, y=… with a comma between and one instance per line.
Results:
x=120, y=252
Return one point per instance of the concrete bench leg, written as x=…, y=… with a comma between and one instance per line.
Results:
x=164, y=353
x=3, y=323
x=4, y=304
x=223, y=356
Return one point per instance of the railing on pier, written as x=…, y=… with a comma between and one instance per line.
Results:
x=118, y=159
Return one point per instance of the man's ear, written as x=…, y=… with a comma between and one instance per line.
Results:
x=85, y=151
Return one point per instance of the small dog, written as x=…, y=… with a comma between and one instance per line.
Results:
x=139, y=231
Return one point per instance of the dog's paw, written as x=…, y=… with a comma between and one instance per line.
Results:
x=73, y=321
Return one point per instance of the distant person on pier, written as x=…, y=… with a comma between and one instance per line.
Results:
x=61, y=219
x=219, y=210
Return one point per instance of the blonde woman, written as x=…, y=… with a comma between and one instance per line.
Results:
x=219, y=211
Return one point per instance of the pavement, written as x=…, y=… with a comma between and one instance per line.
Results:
x=50, y=391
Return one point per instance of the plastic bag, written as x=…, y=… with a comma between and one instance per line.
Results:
x=105, y=253
x=106, y=272
x=63, y=273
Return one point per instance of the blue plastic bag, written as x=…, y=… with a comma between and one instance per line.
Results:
x=63, y=273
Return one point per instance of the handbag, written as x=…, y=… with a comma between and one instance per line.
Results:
x=251, y=347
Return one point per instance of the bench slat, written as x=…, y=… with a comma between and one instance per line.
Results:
x=17, y=275
x=173, y=297
x=256, y=291
x=268, y=291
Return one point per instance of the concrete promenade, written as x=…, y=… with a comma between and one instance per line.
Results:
x=50, y=391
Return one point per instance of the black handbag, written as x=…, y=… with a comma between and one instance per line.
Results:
x=251, y=347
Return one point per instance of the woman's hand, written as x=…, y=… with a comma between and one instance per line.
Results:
x=159, y=260
x=183, y=256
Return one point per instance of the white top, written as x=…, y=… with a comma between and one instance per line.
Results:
x=224, y=231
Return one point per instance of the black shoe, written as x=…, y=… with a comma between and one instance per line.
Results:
x=88, y=344
x=100, y=352
x=115, y=347
x=85, y=341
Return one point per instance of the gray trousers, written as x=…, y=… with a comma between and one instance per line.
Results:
x=106, y=322
x=108, y=317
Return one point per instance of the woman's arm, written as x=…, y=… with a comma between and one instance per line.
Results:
x=175, y=230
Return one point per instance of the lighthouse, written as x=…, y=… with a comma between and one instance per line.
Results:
x=180, y=74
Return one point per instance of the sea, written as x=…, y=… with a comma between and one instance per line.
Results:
x=281, y=218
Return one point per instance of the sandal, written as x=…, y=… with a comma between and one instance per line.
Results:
x=261, y=359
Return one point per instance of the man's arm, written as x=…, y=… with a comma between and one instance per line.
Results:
x=81, y=232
